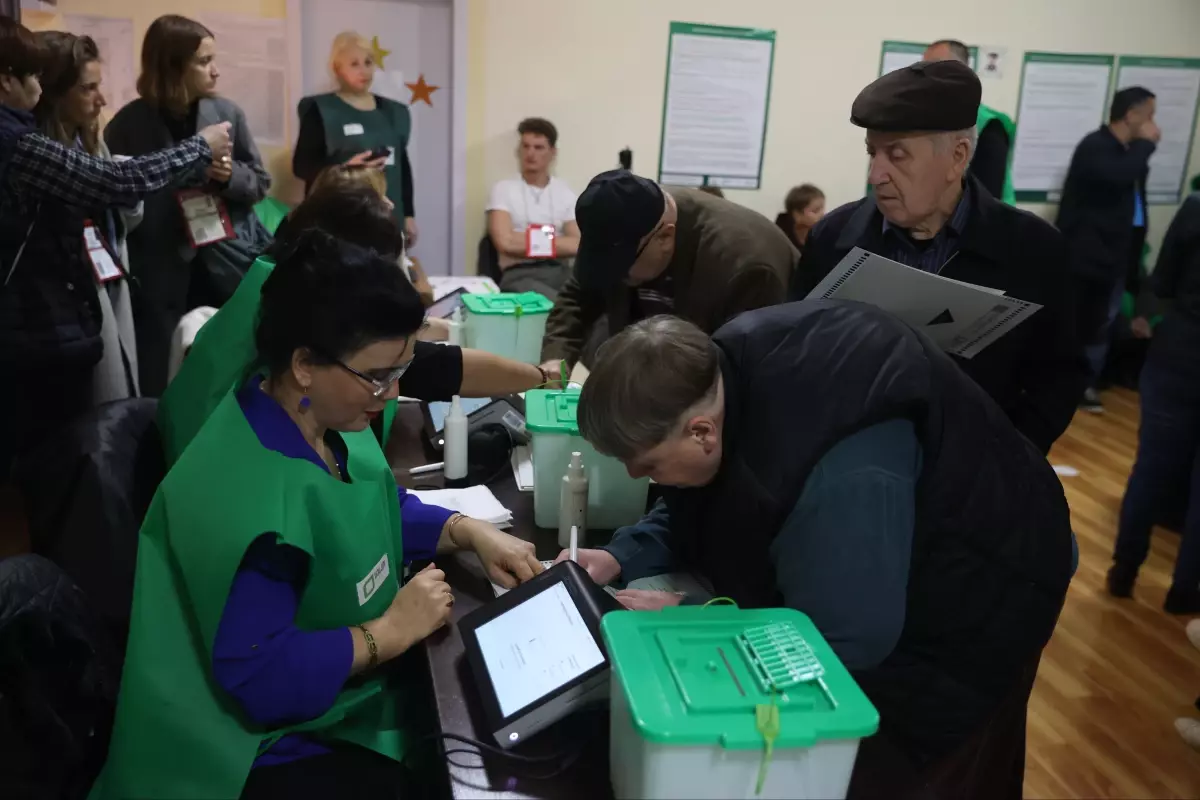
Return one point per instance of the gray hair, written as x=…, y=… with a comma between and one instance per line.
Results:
x=644, y=380
x=957, y=49
x=943, y=142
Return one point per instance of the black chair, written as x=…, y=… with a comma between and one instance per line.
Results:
x=87, y=489
x=487, y=263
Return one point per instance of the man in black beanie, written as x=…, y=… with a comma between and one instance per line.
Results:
x=926, y=212
x=646, y=251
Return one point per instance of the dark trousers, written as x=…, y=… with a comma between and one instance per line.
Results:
x=988, y=765
x=544, y=277
x=348, y=771
x=34, y=405
x=1098, y=303
x=1168, y=454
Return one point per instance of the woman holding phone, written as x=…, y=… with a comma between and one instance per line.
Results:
x=194, y=245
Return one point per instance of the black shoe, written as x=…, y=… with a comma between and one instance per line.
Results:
x=1091, y=402
x=1182, y=601
x=1121, y=578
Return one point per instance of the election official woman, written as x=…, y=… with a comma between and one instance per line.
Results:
x=268, y=599
x=352, y=125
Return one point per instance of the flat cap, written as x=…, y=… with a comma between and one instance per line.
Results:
x=925, y=96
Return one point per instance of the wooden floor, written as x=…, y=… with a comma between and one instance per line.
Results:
x=1117, y=672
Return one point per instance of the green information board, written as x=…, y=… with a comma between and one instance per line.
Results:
x=715, y=106
x=1176, y=85
x=1064, y=96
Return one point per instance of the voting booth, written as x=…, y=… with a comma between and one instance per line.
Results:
x=614, y=498
x=720, y=702
x=509, y=325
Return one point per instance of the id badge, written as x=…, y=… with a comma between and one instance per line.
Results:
x=103, y=264
x=206, y=217
x=352, y=129
x=391, y=159
x=539, y=242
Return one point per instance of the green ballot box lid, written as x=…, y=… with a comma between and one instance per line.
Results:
x=696, y=675
x=507, y=304
x=552, y=411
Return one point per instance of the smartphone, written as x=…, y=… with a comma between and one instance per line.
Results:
x=380, y=152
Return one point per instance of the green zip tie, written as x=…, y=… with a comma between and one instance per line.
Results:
x=728, y=601
x=562, y=374
x=766, y=720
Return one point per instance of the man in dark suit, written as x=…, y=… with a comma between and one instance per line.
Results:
x=1103, y=216
x=926, y=213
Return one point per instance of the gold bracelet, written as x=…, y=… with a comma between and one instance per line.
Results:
x=454, y=520
x=372, y=648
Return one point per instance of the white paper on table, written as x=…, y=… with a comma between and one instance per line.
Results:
x=473, y=501
x=254, y=70
x=522, y=466
x=960, y=318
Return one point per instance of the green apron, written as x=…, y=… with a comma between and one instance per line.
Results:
x=986, y=115
x=177, y=734
x=349, y=132
x=219, y=361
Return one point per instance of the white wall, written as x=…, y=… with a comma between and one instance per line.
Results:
x=596, y=69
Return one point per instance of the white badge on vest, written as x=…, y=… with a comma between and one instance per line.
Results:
x=369, y=585
x=352, y=129
x=206, y=216
x=104, y=265
x=540, y=242
x=391, y=159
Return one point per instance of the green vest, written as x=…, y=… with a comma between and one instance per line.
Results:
x=986, y=115
x=349, y=132
x=221, y=358
x=177, y=734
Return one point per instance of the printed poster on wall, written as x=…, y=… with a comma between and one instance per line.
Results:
x=897, y=55
x=1176, y=85
x=253, y=58
x=717, y=96
x=1064, y=97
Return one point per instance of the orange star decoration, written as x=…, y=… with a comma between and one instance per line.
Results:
x=422, y=91
x=378, y=54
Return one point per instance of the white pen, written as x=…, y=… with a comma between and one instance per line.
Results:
x=575, y=543
x=428, y=468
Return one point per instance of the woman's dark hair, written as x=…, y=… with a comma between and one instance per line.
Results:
x=332, y=298
x=800, y=196
x=352, y=213
x=21, y=54
x=167, y=50
x=66, y=56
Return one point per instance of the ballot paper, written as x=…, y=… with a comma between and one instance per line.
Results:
x=961, y=318
x=473, y=501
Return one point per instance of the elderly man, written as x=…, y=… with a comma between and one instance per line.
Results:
x=645, y=251
x=826, y=457
x=927, y=213
x=992, y=162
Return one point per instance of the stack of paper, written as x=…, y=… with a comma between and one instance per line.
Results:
x=474, y=501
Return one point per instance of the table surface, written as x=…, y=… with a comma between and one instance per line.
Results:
x=582, y=740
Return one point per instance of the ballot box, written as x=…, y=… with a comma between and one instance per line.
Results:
x=719, y=702
x=509, y=325
x=614, y=498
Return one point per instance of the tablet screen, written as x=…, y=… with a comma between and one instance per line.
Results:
x=438, y=410
x=535, y=648
x=444, y=307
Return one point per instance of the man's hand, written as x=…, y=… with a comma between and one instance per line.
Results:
x=556, y=370
x=601, y=566
x=1141, y=328
x=641, y=600
x=1150, y=131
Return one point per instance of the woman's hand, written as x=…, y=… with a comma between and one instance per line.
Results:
x=641, y=600
x=507, y=560
x=218, y=140
x=221, y=170
x=601, y=566
x=410, y=231
x=364, y=159
x=421, y=607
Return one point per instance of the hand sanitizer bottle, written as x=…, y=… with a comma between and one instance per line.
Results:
x=454, y=447
x=572, y=510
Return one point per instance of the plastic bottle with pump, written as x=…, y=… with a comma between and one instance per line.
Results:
x=572, y=511
x=456, y=325
x=454, y=444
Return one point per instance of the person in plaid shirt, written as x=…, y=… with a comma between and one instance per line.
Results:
x=49, y=307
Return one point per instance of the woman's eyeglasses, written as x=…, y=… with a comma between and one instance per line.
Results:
x=383, y=384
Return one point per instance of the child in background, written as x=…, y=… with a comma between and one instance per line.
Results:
x=802, y=209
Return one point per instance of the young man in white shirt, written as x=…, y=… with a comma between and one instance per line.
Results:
x=531, y=217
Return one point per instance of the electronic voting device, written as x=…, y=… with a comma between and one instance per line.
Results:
x=537, y=653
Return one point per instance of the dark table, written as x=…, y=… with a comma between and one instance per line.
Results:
x=582, y=772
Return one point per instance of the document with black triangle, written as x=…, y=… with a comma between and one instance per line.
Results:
x=961, y=318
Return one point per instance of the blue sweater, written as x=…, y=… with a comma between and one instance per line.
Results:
x=842, y=555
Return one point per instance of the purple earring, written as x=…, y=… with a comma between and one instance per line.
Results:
x=304, y=401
